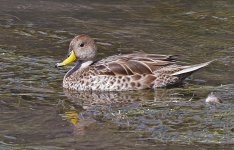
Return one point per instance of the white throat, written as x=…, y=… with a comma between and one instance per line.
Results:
x=86, y=64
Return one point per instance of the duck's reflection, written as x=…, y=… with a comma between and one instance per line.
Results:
x=95, y=98
x=90, y=107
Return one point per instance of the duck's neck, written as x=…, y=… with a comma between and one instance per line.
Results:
x=81, y=64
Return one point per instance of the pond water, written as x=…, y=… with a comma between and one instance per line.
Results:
x=37, y=113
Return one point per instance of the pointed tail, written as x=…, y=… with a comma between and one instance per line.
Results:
x=188, y=70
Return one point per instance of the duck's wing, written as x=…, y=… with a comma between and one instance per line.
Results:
x=130, y=64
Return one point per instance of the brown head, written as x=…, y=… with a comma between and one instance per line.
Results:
x=82, y=47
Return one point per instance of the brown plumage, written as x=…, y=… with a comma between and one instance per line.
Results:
x=121, y=72
x=137, y=63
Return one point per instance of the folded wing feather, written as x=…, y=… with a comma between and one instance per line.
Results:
x=130, y=64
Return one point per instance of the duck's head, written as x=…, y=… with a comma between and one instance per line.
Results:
x=82, y=47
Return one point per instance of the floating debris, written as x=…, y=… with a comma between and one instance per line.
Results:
x=213, y=99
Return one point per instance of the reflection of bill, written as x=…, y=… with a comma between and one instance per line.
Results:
x=71, y=116
x=79, y=122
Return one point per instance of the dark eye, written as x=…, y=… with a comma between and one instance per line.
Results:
x=82, y=45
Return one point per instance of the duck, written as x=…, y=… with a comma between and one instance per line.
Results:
x=123, y=72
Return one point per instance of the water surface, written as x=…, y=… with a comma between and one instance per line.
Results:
x=36, y=113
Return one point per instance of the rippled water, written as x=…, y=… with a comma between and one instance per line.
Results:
x=36, y=113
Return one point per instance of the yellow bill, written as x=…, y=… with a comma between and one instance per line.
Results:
x=68, y=60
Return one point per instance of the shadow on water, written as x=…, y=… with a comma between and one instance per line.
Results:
x=36, y=113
